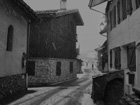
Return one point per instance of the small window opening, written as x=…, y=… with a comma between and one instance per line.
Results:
x=10, y=38
x=58, y=68
x=71, y=67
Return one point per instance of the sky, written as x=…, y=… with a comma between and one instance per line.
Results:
x=88, y=35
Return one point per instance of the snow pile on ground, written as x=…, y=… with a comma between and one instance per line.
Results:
x=86, y=100
x=80, y=75
x=96, y=72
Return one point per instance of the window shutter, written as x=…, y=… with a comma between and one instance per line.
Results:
x=118, y=11
x=114, y=16
x=131, y=57
x=118, y=58
x=110, y=20
x=124, y=9
x=137, y=3
x=111, y=58
x=129, y=7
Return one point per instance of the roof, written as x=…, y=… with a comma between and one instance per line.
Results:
x=104, y=45
x=59, y=12
x=99, y=48
x=30, y=13
x=93, y=3
x=104, y=30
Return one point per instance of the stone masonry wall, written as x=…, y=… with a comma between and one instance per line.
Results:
x=12, y=84
x=45, y=71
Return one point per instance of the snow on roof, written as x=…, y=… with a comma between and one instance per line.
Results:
x=59, y=12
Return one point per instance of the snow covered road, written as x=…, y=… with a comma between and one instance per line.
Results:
x=71, y=93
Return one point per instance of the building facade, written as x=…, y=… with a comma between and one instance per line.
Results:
x=102, y=57
x=14, y=23
x=53, y=40
x=123, y=53
x=123, y=41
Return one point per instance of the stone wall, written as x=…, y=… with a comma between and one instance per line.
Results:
x=12, y=84
x=45, y=71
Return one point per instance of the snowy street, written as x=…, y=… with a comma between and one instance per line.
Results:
x=71, y=93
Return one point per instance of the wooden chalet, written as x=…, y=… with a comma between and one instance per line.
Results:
x=53, y=43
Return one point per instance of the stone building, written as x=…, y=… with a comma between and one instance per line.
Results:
x=15, y=16
x=53, y=47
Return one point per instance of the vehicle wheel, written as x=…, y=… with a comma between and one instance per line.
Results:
x=113, y=92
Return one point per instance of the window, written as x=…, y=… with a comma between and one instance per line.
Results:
x=117, y=62
x=31, y=68
x=111, y=58
x=10, y=38
x=58, y=68
x=118, y=11
x=137, y=2
x=114, y=16
x=110, y=15
x=71, y=67
x=131, y=57
x=129, y=7
x=124, y=9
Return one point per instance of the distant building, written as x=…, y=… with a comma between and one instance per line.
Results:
x=15, y=17
x=102, y=57
x=53, y=47
x=88, y=59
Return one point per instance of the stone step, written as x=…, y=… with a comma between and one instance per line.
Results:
x=131, y=100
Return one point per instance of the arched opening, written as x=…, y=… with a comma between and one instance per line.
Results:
x=10, y=38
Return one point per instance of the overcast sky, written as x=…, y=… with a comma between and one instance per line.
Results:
x=88, y=35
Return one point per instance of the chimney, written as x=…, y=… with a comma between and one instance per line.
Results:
x=63, y=4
